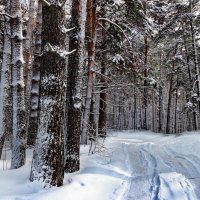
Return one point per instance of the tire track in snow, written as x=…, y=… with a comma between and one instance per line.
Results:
x=145, y=182
x=188, y=166
x=154, y=179
x=152, y=163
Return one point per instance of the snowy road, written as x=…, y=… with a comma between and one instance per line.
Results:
x=162, y=167
x=134, y=166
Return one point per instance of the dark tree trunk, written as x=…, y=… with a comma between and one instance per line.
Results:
x=190, y=76
x=91, y=34
x=175, y=117
x=102, y=123
x=145, y=82
x=5, y=86
x=92, y=124
x=74, y=86
x=160, y=99
x=103, y=105
x=169, y=105
x=160, y=110
x=48, y=156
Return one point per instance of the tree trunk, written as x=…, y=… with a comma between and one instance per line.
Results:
x=29, y=58
x=34, y=97
x=102, y=122
x=19, y=121
x=91, y=34
x=190, y=76
x=102, y=126
x=169, y=105
x=92, y=124
x=74, y=86
x=175, y=110
x=160, y=99
x=48, y=156
x=194, y=48
x=145, y=83
x=5, y=97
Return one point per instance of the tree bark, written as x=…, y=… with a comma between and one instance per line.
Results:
x=74, y=86
x=19, y=121
x=145, y=82
x=169, y=105
x=5, y=97
x=91, y=34
x=102, y=126
x=48, y=156
x=34, y=97
x=160, y=99
x=33, y=8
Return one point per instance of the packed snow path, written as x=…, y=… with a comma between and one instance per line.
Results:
x=134, y=166
x=162, y=167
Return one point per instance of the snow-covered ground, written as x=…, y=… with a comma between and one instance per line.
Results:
x=133, y=166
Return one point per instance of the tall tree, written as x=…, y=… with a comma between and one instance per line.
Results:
x=18, y=99
x=91, y=36
x=5, y=97
x=74, y=85
x=48, y=156
x=34, y=96
x=29, y=57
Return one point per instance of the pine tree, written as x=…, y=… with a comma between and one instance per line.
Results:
x=18, y=99
x=48, y=156
x=34, y=96
x=5, y=97
x=91, y=36
x=74, y=85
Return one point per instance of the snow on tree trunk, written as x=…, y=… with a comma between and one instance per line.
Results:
x=29, y=56
x=48, y=156
x=30, y=27
x=189, y=72
x=74, y=85
x=34, y=97
x=91, y=34
x=5, y=97
x=19, y=125
x=3, y=4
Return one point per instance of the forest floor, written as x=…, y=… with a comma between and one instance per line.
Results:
x=131, y=165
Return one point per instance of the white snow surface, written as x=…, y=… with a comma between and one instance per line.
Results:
x=133, y=166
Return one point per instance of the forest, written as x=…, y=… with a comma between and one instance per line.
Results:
x=75, y=72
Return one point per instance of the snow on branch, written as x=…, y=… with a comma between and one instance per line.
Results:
x=65, y=30
x=113, y=23
x=62, y=4
x=46, y=2
x=63, y=53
